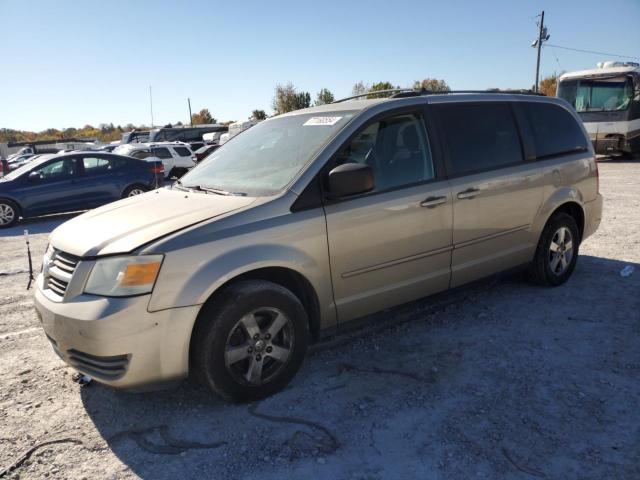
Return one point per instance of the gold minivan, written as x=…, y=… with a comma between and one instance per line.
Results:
x=312, y=219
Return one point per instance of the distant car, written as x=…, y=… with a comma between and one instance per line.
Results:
x=135, y=136
x=176, y=157
x=205, y=151
x=22, y=151
x=16, y=162
x=31, y=150
x=185, y=134
x=73, y=181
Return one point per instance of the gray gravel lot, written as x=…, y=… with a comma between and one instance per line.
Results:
x=499, y=379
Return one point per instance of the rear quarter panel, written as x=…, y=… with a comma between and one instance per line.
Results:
x=571, y=178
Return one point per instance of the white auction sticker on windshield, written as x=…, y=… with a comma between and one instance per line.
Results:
x=322, y=121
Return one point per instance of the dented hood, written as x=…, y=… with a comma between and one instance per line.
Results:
x=122, y=226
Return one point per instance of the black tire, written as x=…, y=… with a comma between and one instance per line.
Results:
x=177, y=172
x=541, y=271
x=219, y=323
x=133, y=188
x=9, y=209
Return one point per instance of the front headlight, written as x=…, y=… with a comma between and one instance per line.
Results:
x=124, y=276
x=46, y=257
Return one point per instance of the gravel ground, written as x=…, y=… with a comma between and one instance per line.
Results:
x=500, y=379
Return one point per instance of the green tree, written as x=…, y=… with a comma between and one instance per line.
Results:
x=302, y=100
x=287, y=98
x=431, y=85
x=258, y=115
x=359, y=89
x=324, y=97
x=203, y=117
x=377, y=87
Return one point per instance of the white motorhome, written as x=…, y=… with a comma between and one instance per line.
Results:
x=607, y=98
x=236, y=128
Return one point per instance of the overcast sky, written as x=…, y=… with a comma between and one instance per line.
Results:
x=69, y=63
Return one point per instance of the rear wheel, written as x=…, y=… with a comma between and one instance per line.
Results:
x=133, y=190
x=557, y=251
x=251, y=341
x=9, y=213
x=177, y=172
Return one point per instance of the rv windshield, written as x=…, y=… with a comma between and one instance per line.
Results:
x=263, y=160
x=597, y=95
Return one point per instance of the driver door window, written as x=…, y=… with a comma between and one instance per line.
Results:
x=397, y=150
x=59, y=170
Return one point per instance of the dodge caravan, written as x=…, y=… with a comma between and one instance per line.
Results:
x=309, y=220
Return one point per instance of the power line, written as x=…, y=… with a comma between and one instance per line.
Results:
x=557, y=59
x=591, y=51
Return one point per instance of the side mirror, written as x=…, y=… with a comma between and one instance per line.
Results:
x=35, y=177
x=350, y=179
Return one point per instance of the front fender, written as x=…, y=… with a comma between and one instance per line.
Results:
x=218, y=271
x=180, y=286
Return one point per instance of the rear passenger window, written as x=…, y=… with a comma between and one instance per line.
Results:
x=96, y=165
x=479, y=136
x=102, y=165
x=140, y=154
x=554, y=129
x=161, y=152
x=183, y=152
x=396, y=149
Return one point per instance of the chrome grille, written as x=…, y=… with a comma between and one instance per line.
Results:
x=58, y=272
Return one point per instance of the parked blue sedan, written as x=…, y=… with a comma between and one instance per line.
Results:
x=73, y=181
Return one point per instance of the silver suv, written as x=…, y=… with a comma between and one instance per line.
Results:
x=309, y=220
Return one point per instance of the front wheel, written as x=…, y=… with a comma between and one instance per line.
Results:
x=9, y=214
x=251, y=341
x=557, y=251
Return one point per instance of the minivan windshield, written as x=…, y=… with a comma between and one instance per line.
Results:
x=597, y=95
x=264, y=159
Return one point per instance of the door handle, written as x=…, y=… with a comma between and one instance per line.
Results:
x=432, y=202
x=469, y=193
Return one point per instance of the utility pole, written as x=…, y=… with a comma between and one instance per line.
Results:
x=542, y=37
x=190, y=116
x=151, y=105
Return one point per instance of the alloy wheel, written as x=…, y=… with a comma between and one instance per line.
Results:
x=561, y=251
x=135, y=191
x=7, y=214
x=259, y=346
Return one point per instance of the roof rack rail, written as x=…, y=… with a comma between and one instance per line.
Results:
x=374, y=93
x=411, y=92
x=417, y=93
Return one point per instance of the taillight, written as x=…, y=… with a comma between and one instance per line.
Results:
x=157, y=169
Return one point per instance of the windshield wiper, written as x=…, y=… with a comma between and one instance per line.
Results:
x=216, y=191
x=180, y=186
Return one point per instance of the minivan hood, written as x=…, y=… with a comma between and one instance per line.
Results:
x=124, y=225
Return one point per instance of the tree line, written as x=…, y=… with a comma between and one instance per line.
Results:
x=286, y=99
